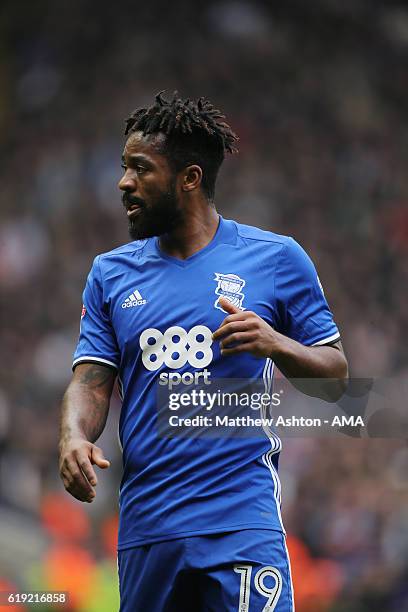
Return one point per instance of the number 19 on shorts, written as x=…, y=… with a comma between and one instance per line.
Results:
x=271, y=593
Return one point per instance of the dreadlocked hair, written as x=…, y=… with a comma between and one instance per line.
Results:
x=195, y=133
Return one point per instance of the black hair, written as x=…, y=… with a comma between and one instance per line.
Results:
x=195, y=134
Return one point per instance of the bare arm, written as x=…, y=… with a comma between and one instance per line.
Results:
x=249, y=333
x=308, y=366
x=85, y=407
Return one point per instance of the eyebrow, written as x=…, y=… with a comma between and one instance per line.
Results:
x=137, y=157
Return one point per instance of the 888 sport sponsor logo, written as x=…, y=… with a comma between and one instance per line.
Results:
x=176, y=347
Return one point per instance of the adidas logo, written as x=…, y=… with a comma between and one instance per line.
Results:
x=135, y=299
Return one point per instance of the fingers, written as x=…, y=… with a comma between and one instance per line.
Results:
x=231, y=327
x=75, y=481
x=98, y=459
x=246, y=347
x=87, y=469
x=228, y=306
x=239, y=316
x=242, y=337
x=245, y=329
x=77, y=474
x=237, y=327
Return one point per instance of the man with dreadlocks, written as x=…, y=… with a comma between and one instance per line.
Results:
x=194, y=296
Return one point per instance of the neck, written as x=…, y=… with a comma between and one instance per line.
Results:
x=195, y=232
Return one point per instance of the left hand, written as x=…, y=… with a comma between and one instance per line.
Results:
x=246, y=328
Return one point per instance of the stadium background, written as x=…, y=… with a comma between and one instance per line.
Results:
x=317, y=92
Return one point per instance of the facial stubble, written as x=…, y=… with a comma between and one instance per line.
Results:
x=158, y=218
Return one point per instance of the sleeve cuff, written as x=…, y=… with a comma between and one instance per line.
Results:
x=329, y=340
x=91, y=359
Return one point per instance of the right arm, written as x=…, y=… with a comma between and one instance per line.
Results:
x=85, y=408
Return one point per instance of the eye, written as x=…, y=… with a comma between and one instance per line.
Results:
x=138, y=168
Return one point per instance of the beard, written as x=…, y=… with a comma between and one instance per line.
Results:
x=156, y=219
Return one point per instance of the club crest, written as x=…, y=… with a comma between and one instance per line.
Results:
x=229, y=286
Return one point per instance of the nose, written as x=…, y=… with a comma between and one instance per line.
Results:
x=127, y=182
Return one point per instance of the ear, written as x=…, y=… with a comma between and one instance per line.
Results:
x=192, y=177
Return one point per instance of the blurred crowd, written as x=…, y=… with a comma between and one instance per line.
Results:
x=317, y=93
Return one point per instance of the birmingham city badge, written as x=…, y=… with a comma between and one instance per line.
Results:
x=229, y=286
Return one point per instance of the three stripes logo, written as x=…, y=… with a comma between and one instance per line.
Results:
x=135, y=299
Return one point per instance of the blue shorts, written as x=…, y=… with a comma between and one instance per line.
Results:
x=238, y=571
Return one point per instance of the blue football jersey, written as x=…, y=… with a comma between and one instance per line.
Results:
x=137, y=302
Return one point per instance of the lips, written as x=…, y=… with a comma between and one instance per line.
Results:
x=133, y=210
x=132, y=207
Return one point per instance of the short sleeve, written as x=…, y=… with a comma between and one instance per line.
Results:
x=301, y=307
x=97, y=341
